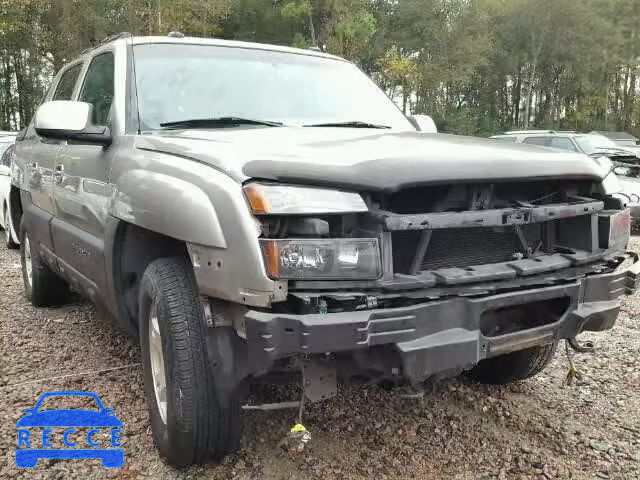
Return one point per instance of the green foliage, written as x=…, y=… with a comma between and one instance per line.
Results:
x=350, y=30
x=399, y=75
x=476, y=66
x=299, y=41
x=295, y=9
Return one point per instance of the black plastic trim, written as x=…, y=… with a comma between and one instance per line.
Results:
x=486, y=218
x=435, y=336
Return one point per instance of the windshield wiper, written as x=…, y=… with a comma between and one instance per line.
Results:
x=349, y=124
x=218, y=122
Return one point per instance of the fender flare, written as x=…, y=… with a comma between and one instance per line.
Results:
x=169, y=206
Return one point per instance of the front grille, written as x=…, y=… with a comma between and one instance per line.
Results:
x=462, y=247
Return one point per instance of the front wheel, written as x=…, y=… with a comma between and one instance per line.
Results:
x=514, y=366
x=190, y=422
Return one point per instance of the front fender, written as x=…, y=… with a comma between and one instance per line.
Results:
x=168, y=205
x=204, y=207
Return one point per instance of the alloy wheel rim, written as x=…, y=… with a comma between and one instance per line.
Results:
x=157, y=362
x=27, y=261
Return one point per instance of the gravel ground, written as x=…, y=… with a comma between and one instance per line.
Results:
x=534, y=429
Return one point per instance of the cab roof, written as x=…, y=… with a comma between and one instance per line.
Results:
x=179, y=40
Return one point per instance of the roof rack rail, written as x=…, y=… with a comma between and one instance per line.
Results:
x=107, y=40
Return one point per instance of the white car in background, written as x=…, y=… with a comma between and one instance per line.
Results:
x=7, y=139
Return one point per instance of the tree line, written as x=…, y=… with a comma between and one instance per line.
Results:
x=476, y=66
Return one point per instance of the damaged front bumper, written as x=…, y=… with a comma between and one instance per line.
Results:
x=441, y=335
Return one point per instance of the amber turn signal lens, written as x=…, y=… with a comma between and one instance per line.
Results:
x=271, y=255
x=256, y=199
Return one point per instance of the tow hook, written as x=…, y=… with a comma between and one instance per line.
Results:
x=579, y=347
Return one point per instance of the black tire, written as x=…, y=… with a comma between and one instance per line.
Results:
x=199, y=424
x=8, y=226
x=46, y=288
x=514, y=366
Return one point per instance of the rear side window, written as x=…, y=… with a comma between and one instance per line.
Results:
x=536, y=141
x=563, y=143
x=98, y=87
x=64, y=90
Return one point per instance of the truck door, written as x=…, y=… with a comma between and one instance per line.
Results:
x=81, y=187
x=39, y=162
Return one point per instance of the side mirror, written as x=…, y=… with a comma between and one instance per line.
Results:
x=66, y=120
x=423, y=123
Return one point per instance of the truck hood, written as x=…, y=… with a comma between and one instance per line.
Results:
x=364, y=159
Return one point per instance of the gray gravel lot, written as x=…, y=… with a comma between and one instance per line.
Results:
x=534, y=429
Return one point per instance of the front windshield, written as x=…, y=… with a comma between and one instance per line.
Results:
x=182, y=82
x=594, y=143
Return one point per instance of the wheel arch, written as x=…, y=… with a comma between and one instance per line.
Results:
x=129, y=251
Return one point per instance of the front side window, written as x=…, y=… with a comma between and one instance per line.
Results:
x=536, y=141
x=562, y=143
x=64, y=90
x=186, y=82
x=98, y=87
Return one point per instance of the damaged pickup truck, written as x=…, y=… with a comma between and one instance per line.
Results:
x=256, y=212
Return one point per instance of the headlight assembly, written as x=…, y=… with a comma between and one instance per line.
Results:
x=322, y=259
x=266, y=199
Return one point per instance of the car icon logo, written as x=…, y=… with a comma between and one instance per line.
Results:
x=28, y=453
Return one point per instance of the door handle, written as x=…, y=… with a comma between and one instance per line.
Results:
x=58, y=173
